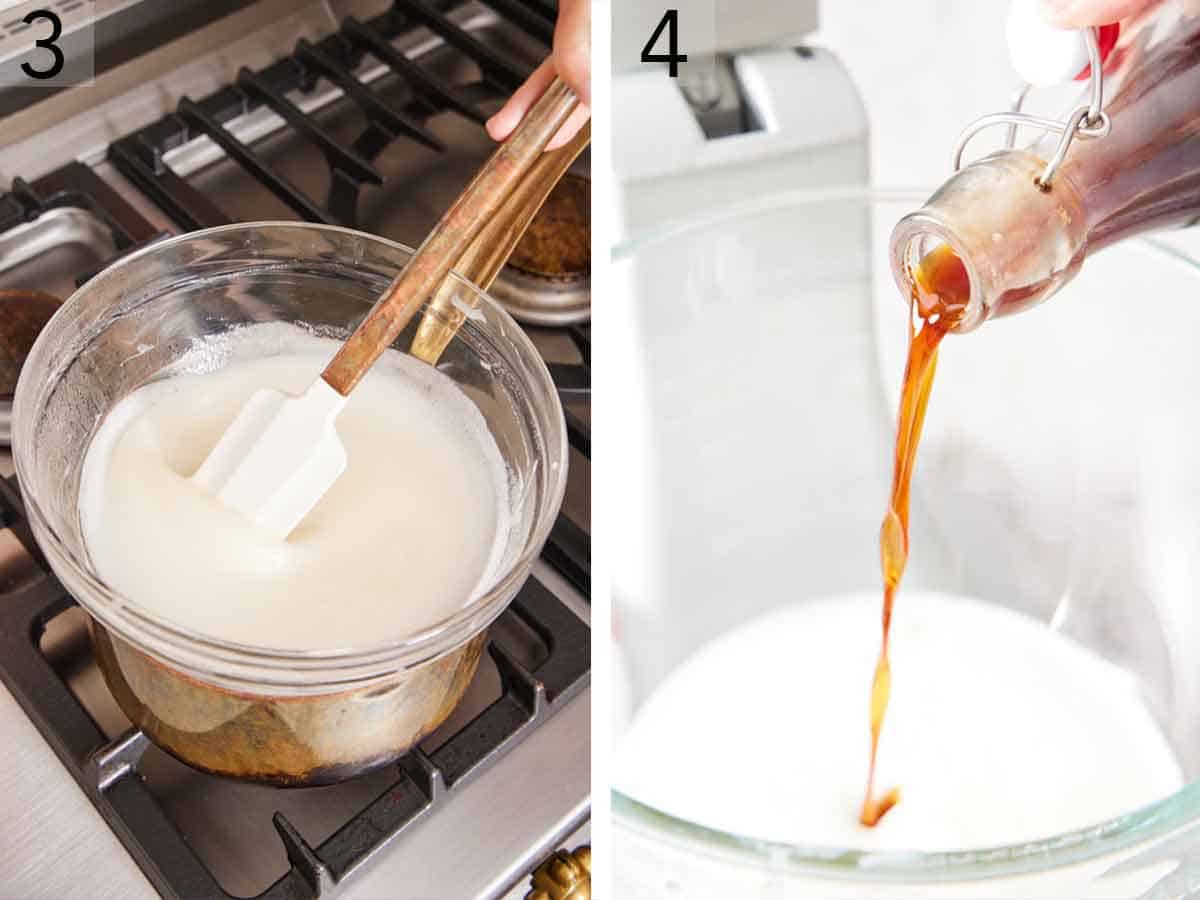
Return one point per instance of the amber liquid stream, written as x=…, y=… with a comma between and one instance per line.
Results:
x=941, y=289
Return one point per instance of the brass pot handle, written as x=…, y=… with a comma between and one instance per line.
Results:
x=564, y=876
x=482, y=261
x=483, y=197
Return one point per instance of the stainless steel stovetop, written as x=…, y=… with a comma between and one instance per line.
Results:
x=483, y=840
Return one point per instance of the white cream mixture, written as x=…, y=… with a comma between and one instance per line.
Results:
x=407, y=536
x=999, y=730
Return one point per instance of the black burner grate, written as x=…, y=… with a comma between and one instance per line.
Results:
x=107, y=771
x=77, y=186
x=334, y=58
x=569, y=547
x=116, y=774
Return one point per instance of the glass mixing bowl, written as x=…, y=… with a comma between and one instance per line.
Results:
x=764, y=349
x=291, y=717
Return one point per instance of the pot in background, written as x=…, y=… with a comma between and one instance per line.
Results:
x=286, y=717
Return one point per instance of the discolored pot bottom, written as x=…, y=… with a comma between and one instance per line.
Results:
x=287, y=741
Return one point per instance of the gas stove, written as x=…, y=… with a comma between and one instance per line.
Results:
x=364, y=114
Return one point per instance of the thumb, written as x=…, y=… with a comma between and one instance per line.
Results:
x=573, y=47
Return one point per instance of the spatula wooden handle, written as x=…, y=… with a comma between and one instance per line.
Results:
x=482, y=199
x=490, y=250
x=487, y=254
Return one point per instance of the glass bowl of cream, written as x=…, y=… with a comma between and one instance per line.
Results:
x=316, y=658
x=1044, y=659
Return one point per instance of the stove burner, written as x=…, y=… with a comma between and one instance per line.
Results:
x=548, y=277
x=130, y=781
x=558, y=242
x=23, y=314
x=115, y=776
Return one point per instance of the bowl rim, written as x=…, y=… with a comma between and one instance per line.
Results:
x=1143, y=824
x=244, y=666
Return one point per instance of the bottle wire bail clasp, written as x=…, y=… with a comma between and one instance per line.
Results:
x=1088, y=121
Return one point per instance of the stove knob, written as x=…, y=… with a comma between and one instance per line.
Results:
x=564, y=876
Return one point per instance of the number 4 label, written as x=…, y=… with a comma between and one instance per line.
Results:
x=670, y=22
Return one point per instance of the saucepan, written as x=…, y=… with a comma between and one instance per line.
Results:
x=282, y=716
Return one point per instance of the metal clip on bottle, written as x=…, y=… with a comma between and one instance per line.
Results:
x=1126, y=159
x=1086, y=121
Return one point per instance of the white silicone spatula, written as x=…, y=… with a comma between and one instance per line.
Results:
x=281, y=453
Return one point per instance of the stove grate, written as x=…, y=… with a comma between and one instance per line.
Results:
x=140, y=156
x=112, y=772
x=502, y=73
x=107, y=770
x=75, y=185
x=528, y=17
x=569, y=547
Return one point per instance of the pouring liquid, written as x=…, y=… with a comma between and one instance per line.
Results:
x=941, y=289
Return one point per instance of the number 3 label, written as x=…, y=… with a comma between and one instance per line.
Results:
x=46, y=43
x=669, y=22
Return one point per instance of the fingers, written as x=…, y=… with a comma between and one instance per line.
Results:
x=573, y=47
x=570, y=128
x=502, y=123
x=1079, y=13
x=571, y=61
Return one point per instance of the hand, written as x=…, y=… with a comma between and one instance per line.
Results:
x=1080, y=13
x=571, y=59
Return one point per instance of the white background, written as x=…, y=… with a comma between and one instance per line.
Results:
x=925, y=69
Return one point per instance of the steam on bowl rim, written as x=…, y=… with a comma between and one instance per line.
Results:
x=1144, y=824
x=241, y=665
